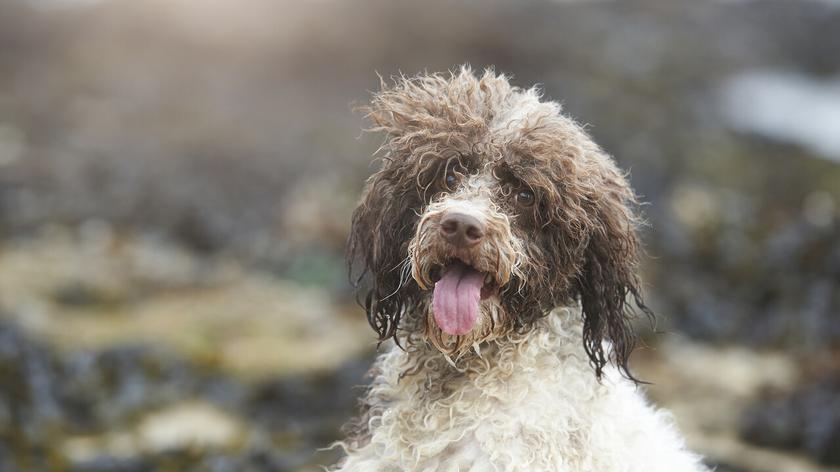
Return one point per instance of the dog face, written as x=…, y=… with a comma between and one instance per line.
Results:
x=490, y=209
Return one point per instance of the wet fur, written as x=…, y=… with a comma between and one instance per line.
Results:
x=528, y=403
x=575, y=247
x=581, y=239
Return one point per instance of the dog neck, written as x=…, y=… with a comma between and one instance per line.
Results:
x=419, y=395
x=527, y=401
x=555, y=339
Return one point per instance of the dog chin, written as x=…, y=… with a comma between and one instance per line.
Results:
x=492, y=323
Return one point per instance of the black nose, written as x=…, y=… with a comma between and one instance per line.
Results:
x=461, y=230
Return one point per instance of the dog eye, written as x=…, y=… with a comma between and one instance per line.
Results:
x=451, y=181
x=525, y=198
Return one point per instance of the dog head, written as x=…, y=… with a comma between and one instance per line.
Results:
x=490, y=209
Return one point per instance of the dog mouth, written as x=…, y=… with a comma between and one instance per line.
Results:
x=458, y=291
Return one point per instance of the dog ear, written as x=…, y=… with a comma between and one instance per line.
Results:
x=608, y=276
x=377, y=251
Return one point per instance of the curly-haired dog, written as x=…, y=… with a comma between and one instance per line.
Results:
x=498, y=249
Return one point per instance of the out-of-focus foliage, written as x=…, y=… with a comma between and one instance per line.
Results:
x=176, y=178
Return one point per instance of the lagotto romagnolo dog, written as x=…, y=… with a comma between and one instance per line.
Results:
x=497, y=248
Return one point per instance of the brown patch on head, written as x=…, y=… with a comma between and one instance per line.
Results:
x=559, y=219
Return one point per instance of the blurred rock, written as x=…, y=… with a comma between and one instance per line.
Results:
x=144, y=290
x=295, y=404
x=144, y=409
x=807, y=419
x=189, y=425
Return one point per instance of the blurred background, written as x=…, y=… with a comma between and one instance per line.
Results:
x=176, y=180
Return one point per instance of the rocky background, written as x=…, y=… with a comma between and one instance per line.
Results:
x=176, y=178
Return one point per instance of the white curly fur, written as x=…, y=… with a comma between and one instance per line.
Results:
x=528, y=402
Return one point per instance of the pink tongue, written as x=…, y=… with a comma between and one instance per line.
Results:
x=456, y=298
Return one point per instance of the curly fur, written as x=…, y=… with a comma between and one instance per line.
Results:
x=528, y=403
x=524, y=389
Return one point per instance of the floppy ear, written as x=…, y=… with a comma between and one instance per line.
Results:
x=377, y=250
x=608, y=272
x=383, y=222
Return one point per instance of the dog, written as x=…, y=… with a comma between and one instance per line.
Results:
x=496, y=247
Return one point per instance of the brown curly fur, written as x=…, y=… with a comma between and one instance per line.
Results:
x=579, y=238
